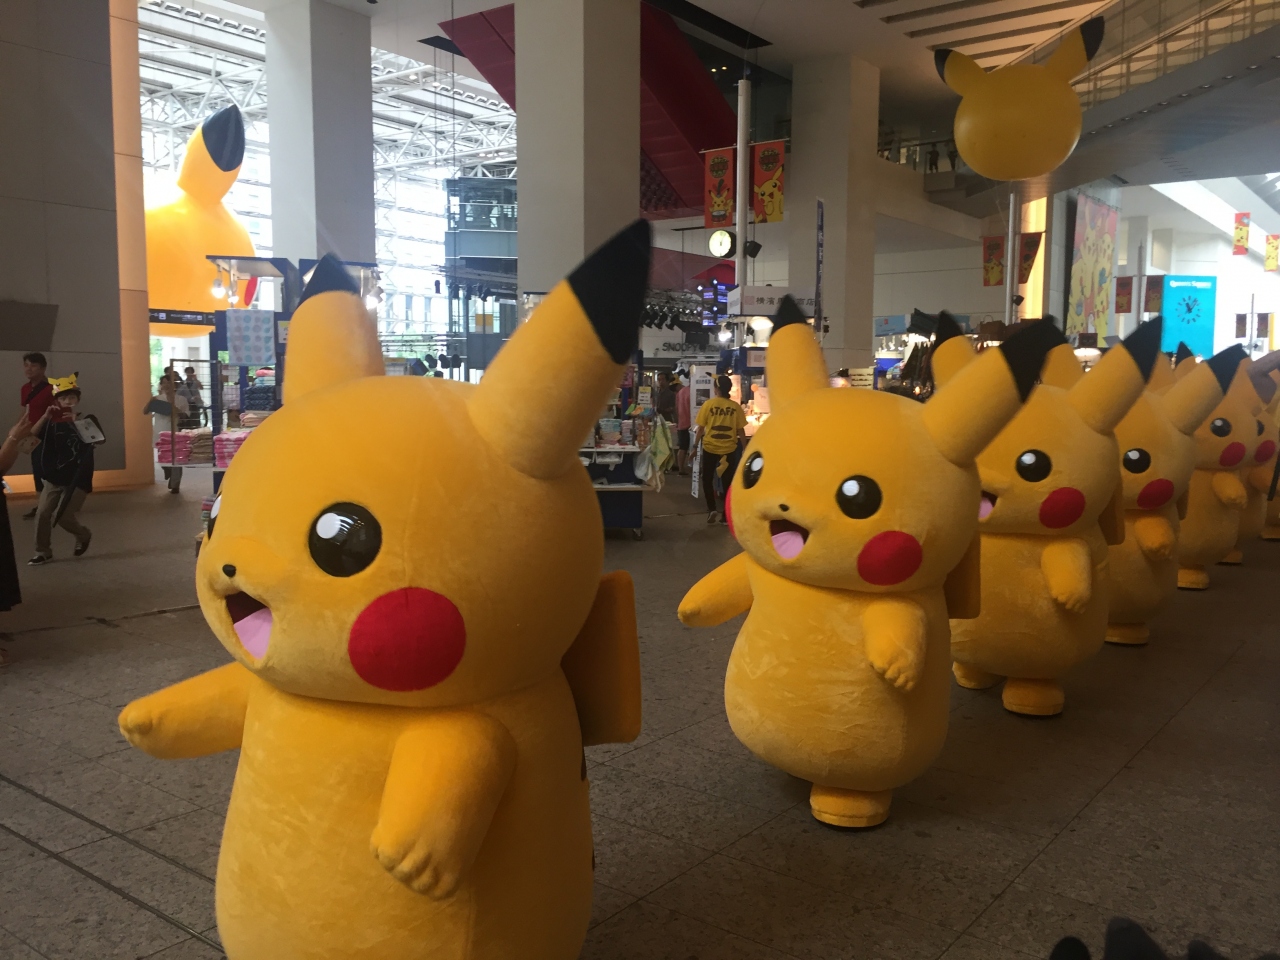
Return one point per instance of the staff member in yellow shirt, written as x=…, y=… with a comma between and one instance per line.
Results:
x=722, y=427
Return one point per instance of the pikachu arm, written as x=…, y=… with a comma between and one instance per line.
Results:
x=1228, y=488
x=1260, y=478
x=194, y=718
x=895, y=632
x=448, y=773
x=603, y=665
x=1068, y=570
x=721, y=595
x=1155, y=536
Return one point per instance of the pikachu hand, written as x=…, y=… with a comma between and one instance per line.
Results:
x=137, y=722
x=1068, y=572
x=1228, y=488
x=194, y=718
x=423, y=866
x=895, y=632
x=1155, y=536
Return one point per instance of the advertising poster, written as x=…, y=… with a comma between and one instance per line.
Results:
x=1028, y=247
x=1092, y=256
x=993, y=261
x=1240, y=241
x=767, y=169
x=718, y=188
x=1153, y=301
x=1272, y=259
x=1124, y=294
x=1188, y=308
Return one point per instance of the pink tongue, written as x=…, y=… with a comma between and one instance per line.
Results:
x=254, y=632
x=985, y=508
x=788, y=544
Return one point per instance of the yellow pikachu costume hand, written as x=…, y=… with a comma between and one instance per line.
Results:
x=1157, y=448
x=857, y=514
x=423, y=641
x=1048, y=480
x=1021, y=120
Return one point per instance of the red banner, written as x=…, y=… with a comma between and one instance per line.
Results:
x=1240, y=246
x=767, y=167
x=1272, y=260
x=718, y=188
x=1153, y=302
x=1028, y=247
x=1124, y=294
x=993, y=261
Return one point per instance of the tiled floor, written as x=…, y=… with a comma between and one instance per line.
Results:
x=1156, y=795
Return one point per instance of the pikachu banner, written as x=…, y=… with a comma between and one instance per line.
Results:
x=1272, y=259
x=1240, y=243
x=1124, y=294
x=1089, y=300
x=767, y=168
x=993, y=261
x=1028, y=248
x=718, y=187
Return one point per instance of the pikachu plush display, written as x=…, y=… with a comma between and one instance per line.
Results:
x=857, y=514
x=1021, y=120
x=1225, y=444
x=1048, y=483
x=408, y=696
x=1257, y=476
x=1157, y=447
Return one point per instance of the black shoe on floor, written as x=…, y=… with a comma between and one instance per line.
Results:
x=30, y=514
x=37, y=560
x=83, y=545
x=173, y=489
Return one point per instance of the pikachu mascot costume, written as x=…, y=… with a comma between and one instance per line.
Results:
x=1257, y=476
x=181, y=234
x=1048, y=483
x=408, y=696
x=1022, y=120
x=857, y=515
x=1157, y=446
x=1225, y=444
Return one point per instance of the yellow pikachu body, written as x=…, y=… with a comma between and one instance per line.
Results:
x=1048, y=483
x=1257, y=479
x=408, y=695
x=857, y=514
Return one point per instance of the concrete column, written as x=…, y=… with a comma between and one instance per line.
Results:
x=834, y=117
x=578, y=103
x=321, y=115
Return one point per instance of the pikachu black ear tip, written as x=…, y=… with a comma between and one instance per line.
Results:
x=328, y=275
x=1125, y=938
x=946, y=329
x=1070, y=948
x=940, y=62
x=789, y=312
x=1224, y=364
x=1183, y=353
x=1091, y=32
x=223, y=135
x=611, y=285
x=1024, y=351
x=1144, y=345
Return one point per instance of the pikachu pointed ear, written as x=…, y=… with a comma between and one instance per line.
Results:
x=1184, y=361
x=1061, y=368
x=214, y=154
x=975, y=403
x=331, y=338
x=588, y=324
x=1104, y=396
x=1190, y=400
x=1161, y=378
x=1242, y=390
x=952, y=350
x=794, y=364
x=1077, y=49
x=959, y=72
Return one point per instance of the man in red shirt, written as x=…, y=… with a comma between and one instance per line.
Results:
x=37, y=397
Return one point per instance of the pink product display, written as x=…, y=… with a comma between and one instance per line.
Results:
x=226, y=444
x=185, y=447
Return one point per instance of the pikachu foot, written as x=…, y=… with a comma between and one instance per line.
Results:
x=1233, y=559
x=1033, y=698
x=1129, y=634
x=973, y=678
x=1270, y=533
x=849, y=808
x=1192, y=578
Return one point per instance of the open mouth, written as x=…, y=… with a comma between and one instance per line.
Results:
x=252, y=622
x=788, y=538
x=986, y=505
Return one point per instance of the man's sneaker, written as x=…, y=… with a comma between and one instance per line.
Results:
x=712, y=517
x=38, y=559
x=83, y=545
x=30, y=514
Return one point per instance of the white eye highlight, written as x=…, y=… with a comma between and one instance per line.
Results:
x=332, y=525
x=850, y=487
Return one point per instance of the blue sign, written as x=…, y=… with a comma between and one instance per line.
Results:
x=1188, y=309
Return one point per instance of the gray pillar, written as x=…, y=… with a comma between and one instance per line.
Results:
x=834, y=118
x=578, y=104
x=320, y=109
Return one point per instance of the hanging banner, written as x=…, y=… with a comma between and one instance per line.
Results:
x=718, y=188
x=1124, y=294
x=1272, y=260
x=767, y=168
x=1089, y=294
x=1153, y=302
x=1028, y=247
x=993, y=261
x=1240, y=244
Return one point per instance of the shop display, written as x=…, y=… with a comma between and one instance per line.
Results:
x=1257, y=476
x=1023, y=119
x=1225, y=445
x=1157, y=456
x=857, y=511
x=395, y=798
x=1048, y=480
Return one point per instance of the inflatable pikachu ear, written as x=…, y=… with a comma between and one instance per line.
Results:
x=1076, y=49
x=214, y=154
x=1104, y=396
x=1061, y=368
x=590, y=324
x=1189, y=400
x=794, y=364
x=331, y=338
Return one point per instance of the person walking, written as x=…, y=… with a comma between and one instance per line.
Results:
x=66, y=463
x=682, y=428
x=37, y=395
x=189, y=389
x=722, y=428
x=175, y=409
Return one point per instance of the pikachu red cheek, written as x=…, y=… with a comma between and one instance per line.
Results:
x=408, y=639
x=1155, y=494
x=889, y=558
x=1233, y=454
x=1266, y=450
x=1062, y=508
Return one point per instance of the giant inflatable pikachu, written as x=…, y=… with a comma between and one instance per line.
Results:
x=408, y=696
x=1225, y=443
x=1021, y=120
x=857, y=514
x=1048, y=480
x=1157, y=447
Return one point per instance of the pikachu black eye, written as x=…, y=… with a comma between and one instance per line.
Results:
x=858, y=497
x=1260, y=428
x=1136, y=460
x=213, y=515
x=344, y=539
x=1033, y=465
x=752, y=469
x=1220, y=427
